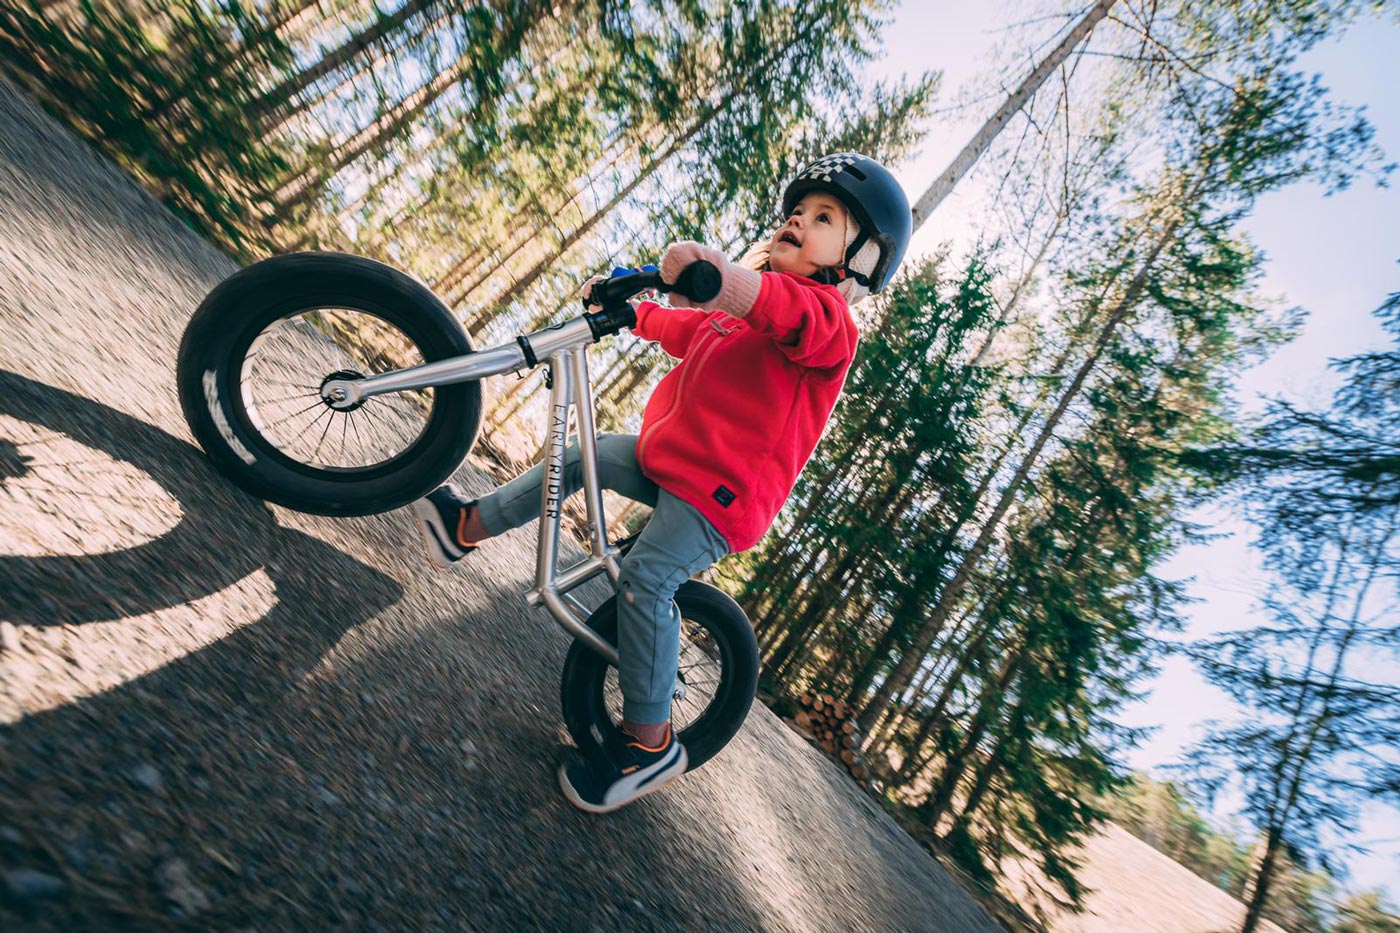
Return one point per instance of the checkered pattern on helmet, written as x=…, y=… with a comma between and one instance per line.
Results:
x=827, y=166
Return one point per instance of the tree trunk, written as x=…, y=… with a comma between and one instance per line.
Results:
x=371, y=138
x=825, y=593
x=337, y=57
x=1300, y=762
x=985, y=630
x=1022, y=284
x=610, y=152
x=943, y=185
x=877, y=746
x=229, y=56
x=291, y=27
x=902, y=464
x=273, y=119
x=1263, y=880
x=811, y=642
x=914, y=696
x=474, y=277
x=932, y=810
x=800, y=580
x=760, y=67
x=412, y=206
x=989, y=769
x=552, y=256
x=945, y=695
x=904, y=615
x=949, y=537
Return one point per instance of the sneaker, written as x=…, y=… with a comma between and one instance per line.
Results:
x=442, y=515
x=622, y=770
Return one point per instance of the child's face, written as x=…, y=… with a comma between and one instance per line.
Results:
x=813, y=238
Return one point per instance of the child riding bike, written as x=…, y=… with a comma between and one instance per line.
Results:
x=723, y=438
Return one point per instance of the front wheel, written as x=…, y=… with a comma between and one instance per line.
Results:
x=715, y=682
x=257, y=352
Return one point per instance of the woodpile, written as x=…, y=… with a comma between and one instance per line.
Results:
x=831, y=723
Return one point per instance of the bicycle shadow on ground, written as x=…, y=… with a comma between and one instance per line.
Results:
x=261, y=779
x=220, y=535
x=220, y=539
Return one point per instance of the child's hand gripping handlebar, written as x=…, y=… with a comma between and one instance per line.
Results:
x=700, y=281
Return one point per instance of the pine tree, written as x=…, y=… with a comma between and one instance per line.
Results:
x=1246, y=139
x=1325, y=490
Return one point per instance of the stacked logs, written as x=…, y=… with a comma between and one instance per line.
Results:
x=831, y=724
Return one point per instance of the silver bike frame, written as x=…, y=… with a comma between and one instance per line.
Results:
x=562, y=348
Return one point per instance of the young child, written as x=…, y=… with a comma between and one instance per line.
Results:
x=723, y=438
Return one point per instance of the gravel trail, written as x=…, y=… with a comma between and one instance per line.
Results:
x=218, y=714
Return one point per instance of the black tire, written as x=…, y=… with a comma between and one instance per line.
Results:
x=588, y=690
x=217, y=358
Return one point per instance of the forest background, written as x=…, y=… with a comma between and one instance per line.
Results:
x=1047, y=407
x=1332, y=255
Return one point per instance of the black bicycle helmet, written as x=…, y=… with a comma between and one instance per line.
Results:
x=872, y=196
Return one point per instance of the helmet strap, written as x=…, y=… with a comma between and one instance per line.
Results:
x=846, y=271
x=835, y=275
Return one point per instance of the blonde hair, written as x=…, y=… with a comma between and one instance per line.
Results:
x=757, y=256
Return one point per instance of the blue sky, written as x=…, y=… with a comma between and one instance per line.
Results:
x=1335, y=256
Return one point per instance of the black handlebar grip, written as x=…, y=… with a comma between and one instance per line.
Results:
x=699, y=281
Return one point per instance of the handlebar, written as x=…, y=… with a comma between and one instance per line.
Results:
x=699, y=281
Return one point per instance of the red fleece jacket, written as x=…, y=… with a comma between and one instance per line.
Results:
x=731, y=427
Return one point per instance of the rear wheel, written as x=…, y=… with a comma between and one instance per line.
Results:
x=262, y=344
x=715, y=682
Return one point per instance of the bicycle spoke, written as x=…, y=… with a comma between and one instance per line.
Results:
x=396, y=403
x=292, y=359
x=324, y=431
x=356, y=426
x=308, y=393
x=274, y=424
x=274, y=380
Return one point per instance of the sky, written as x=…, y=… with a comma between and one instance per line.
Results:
x=1334, y=256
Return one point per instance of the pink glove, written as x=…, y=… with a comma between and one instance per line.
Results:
x=739, y=286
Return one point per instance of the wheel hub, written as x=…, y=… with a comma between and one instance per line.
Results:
x=337, y=398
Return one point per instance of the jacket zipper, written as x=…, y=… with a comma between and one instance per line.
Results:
x=675, y=402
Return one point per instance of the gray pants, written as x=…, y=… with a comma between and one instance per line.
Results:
x=677, y=542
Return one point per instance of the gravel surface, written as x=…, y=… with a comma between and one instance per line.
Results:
x=219, y=714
